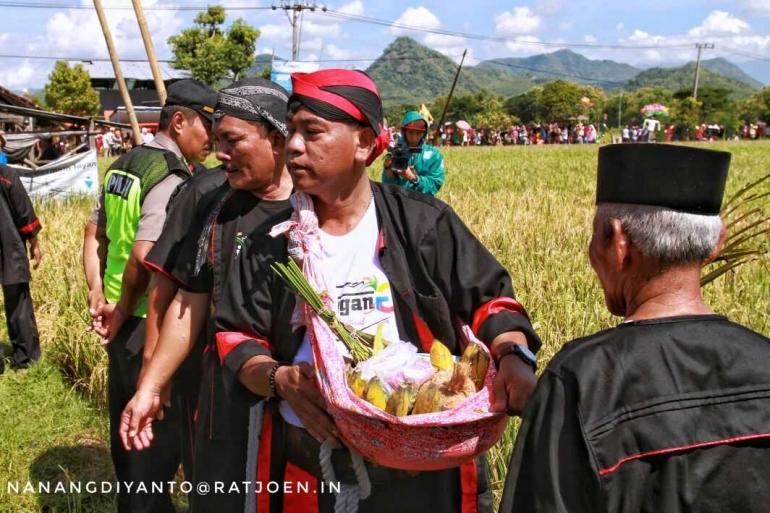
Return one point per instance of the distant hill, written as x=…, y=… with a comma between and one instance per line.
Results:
x=728, y=69
x=675, y=79
x=261, y=61
x=567, y=65
x=408, y=72
x=757, y=69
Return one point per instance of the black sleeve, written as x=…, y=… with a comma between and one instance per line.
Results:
x=22, y=211
x=550, y=470
x=168, y=248
x=243, y=315
x=478, y=288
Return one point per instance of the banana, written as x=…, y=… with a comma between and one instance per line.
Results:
x=440, y=356
x=356, y=383
x=378, y=344
x=375, y=394
x=427, y=400
x=400, y=401
x=479, y=363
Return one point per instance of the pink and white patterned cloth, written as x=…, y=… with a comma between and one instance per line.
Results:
x=431, y=441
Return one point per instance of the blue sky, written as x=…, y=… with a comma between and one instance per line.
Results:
x=741, y=26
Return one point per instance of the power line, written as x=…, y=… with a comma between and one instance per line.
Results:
x=102, y=59
x=744, y=54
x=49, y=5
x=385, y=23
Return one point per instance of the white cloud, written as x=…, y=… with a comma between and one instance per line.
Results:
x=77, y=33
x=522, y=49
x=719, y=22
x=759, y=7
x=450, y=46
x=551, y=7
x=518, y=22
x=25, y=74
x=620, y=27
x=418, y=17
x=727, y=29
x=564, y=27
x=356, y=8
x=588, y=38
x=333, y=52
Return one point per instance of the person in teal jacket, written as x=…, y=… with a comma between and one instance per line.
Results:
x=424, y=170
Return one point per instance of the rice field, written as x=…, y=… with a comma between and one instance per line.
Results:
x=531, y=206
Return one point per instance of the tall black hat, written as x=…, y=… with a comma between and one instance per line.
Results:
x=665, y=175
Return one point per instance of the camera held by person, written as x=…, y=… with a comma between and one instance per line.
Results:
x=413, y=163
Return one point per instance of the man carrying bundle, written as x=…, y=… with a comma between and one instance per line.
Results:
x=218, y=209
x=670, y=410
x=429, y=271
x=126, y=222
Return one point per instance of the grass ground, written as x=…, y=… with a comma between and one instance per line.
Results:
x=531, y=207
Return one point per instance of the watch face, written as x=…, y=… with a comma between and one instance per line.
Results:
x=527, y=354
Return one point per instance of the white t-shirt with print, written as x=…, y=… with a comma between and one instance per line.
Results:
x=358, y=287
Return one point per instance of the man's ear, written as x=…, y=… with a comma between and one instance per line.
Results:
x=621, y=245
x=365, y=143
x=277, y=140
x=178, y=122
x=718, y=248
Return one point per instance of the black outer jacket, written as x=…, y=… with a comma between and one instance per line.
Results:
x=18, y=224
x=439, y=274
x=661, y=415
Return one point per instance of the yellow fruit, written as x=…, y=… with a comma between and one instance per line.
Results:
x=375, y=394
x=378, y=344
x=479, y=363
x=356, y=383
x=440, y=356
x=427, y=400
x=400, y=401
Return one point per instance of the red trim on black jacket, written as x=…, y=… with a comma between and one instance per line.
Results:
x=30, y=227
x=670, y=450
x=469, y=485
x=496, y=306
x=158, y=269
x=229, y=340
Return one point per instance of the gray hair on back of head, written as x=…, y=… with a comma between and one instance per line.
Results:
x=667, y=237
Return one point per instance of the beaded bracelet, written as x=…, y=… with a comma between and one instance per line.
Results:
x=273, y=390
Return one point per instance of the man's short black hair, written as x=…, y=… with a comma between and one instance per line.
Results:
x=167, y=114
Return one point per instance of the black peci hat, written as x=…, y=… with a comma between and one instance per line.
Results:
x=665, y=175
x=193, y=95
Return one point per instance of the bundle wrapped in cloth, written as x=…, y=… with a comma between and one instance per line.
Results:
x=393, y=405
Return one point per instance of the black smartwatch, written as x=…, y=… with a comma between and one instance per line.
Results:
x=522, y=352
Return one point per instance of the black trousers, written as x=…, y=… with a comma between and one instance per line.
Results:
x=22, y=329
x=160, y=462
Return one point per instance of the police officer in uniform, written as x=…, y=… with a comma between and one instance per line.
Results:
x=125, y=224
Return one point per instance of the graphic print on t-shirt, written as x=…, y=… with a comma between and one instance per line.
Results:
x=361, y=298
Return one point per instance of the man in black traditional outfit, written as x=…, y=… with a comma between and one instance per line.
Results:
x=19, y=227
x=207, y=226
x=430, y=271
x=669, y=411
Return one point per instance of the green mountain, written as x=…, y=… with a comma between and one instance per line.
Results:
x=408, y=72
x=567, y=65
x=675, y=79
x=728, y=69
x=261, y=61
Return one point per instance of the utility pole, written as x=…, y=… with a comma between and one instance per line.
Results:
x=437, y=135
x=620, y=103
x=700, y=47
x=297, y=7
x=118, y=73
x=150, y=48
